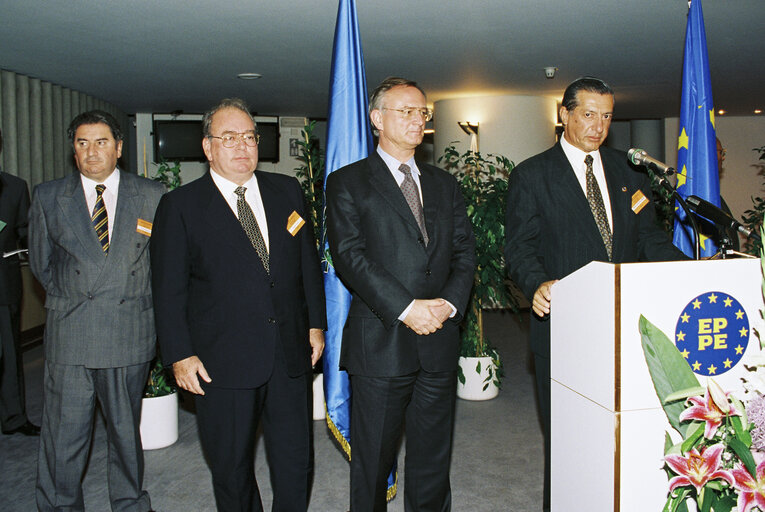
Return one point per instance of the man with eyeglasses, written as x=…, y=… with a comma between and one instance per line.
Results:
x=239, y=302
x=402, y=243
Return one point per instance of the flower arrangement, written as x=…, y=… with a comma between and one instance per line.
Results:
x=719, y=463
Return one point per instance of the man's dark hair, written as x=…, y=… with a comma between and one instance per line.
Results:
x=375, y=99
x=94, y=117
x=585, y=83
x=236, y=103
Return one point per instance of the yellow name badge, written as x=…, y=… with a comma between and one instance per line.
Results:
x=639, y=200
x=294, y=223
x=143, y=227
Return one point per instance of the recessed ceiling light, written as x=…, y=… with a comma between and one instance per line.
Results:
x=721, y=112
x=249, y=76
x=757, y=111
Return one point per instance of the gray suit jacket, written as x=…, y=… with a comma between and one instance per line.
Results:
x=99, y=305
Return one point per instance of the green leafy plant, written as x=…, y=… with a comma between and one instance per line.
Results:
x=752, y=219
x=483, y=182
x=161, y=382
x=310, y=174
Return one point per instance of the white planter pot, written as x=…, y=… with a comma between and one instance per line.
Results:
x=319, y=411
x=474, y=381
x=159, y=421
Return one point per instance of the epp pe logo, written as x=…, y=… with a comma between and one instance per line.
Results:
x=712, y=333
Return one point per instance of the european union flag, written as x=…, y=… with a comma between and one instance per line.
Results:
x=696, y=147
x=349, y=139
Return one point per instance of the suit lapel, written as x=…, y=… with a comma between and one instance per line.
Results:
x=276, y=217
x=430, y=200
x=619, y=197
x=75, y=211
x=219, y=216
x=382, y=180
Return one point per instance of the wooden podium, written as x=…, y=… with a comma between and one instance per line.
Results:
x=608, y=427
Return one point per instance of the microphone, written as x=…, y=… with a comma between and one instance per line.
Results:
x=639, y=157
x=716, y=215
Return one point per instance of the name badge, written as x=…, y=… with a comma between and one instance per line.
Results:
x=143, y=227
x=294, y=223
x=639, y=200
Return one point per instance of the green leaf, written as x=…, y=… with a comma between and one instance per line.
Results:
x=742, y=433
x=693, y=435
x=684, y=394
x=744, y=454
x=669, y=370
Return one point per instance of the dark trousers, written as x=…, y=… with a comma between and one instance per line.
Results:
x=423, y=403
x=12, y=400
x=69, y=404
x=542, y=373
x=228, y=420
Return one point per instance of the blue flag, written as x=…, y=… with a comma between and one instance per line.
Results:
x=696, y=146
x=349, y=139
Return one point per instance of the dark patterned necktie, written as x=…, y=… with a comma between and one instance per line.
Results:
x=100, y=219
x=412, y=196
x=597, y=206
x=250, y=225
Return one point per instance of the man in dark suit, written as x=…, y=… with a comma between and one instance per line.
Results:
x=239, y=302
x=14, y=208
x=402, y=243
x=89, y=248
x=575, y=203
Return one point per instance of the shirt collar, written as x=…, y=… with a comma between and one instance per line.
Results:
x=393, y=163
x=576, y=155
x=227, y=186
x=111, y=183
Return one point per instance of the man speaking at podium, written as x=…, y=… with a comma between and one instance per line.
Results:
x=570, y=205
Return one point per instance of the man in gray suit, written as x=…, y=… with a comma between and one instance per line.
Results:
x=89, y=248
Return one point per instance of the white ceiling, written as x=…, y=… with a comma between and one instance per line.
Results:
x=167, y=55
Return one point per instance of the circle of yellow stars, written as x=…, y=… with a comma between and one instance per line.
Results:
x=711, y=359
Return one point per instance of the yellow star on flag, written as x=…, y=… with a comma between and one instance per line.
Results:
x=712, y=299
x=728, y=302
x=682, y=141
x=739, y=350
x=743, y=332
x=703, y=241
x=696, y=304
x=712, y=369
x=685, y=318
x=681, y=336
x=727, y=363
x=712, y=117
x=696, y=366
x=739, y=314
x=681, y=178
x=685, y=354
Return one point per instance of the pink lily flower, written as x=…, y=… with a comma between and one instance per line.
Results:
x=697, y=468
x=708, y=410
x=751, y=491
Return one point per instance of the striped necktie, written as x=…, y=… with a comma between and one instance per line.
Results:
x=598, y=206
x=100, y=219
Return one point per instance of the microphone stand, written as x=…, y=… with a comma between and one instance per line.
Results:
x=661, y=177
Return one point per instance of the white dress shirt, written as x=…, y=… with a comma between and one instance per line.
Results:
x=110, y=194
x=251, y=195
x=576, y=159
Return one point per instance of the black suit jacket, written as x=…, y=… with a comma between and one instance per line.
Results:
x=378, y=252
x=551, y=232
x=214, y=299
x=14, y=210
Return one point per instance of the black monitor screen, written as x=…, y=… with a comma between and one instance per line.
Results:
x=268, y=147
x=178, y=140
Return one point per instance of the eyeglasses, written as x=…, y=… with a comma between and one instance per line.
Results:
x=231, y=139
x=409, y=113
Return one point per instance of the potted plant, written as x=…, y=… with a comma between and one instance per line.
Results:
x=752, y=219
x=159, y=407
x=483, y=181
x=310, y=173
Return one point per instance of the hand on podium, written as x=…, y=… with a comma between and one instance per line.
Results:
x=542, y=298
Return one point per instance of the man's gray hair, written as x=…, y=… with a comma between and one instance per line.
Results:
x=236, y=103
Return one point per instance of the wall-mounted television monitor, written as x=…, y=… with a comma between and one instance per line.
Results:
x=181, y=140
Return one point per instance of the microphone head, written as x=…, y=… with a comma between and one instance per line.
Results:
x=636, y=156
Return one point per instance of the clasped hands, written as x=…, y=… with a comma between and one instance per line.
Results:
x=428, y=315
